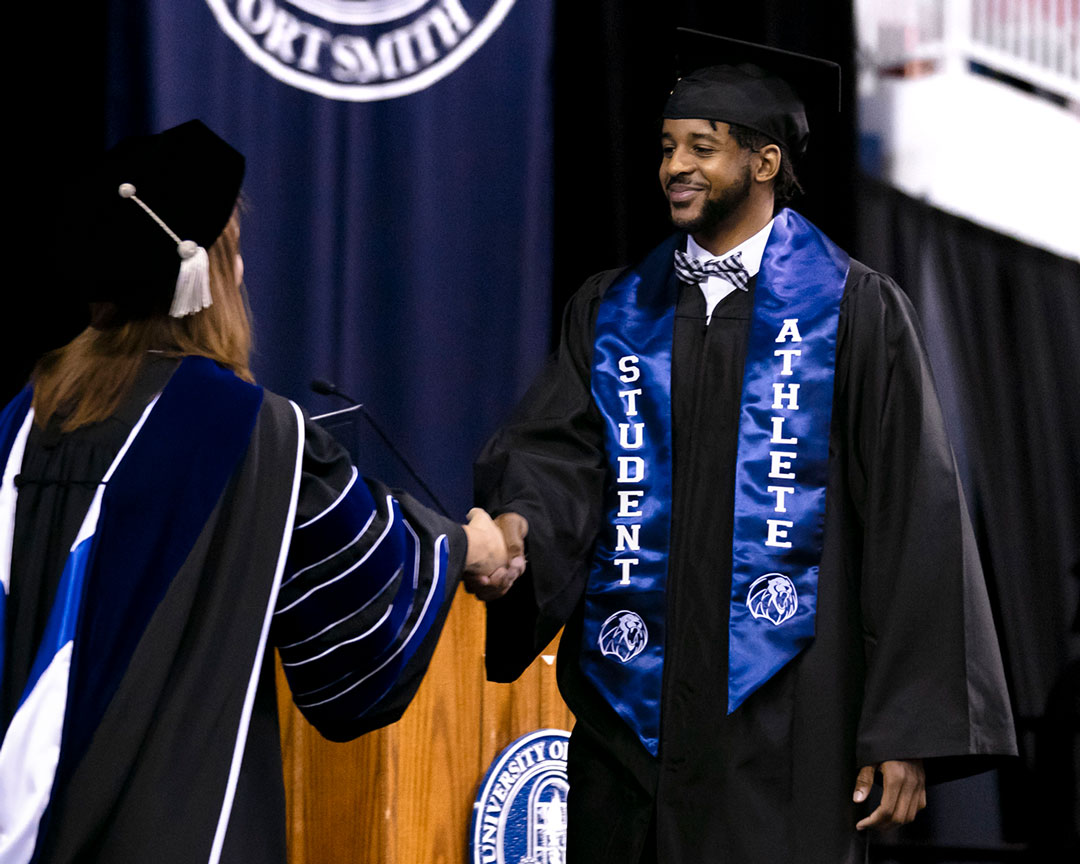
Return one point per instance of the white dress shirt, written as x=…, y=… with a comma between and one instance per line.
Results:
x=716, y=288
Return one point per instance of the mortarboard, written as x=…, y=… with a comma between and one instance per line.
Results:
x=153, y=205
x=765, y=89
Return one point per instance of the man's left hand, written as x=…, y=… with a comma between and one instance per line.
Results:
x=903, y=793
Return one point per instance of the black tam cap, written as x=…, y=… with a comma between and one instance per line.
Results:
x=189, y=179
x=765, y=89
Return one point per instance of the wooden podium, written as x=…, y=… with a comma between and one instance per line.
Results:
x=404, y=794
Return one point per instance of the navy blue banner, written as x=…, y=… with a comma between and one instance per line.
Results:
x=397, y=226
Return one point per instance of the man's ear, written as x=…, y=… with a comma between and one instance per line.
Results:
x=768, y=163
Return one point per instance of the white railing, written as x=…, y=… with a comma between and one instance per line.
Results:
x=1034, y=41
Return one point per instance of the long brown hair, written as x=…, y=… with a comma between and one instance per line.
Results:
x=89, y=377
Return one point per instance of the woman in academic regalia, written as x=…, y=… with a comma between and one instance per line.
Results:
x=163, y=521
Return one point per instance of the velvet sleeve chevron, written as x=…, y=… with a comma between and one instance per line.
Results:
x=366, y=588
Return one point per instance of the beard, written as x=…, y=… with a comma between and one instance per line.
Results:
x=715, y=211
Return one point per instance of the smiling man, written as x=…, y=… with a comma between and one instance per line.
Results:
x=737, y=493
x=708, y=175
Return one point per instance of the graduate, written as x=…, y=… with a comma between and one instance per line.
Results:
x=732, y=485
x=165, y=523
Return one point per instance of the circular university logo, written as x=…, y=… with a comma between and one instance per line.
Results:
x=359, y=50
x=623, y=635
x=773, y=598
x=520, y=815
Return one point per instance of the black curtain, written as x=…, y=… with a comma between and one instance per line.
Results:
x=1001, y=321
x=54, y=108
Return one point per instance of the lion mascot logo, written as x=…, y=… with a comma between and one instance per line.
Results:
x=624, y=635
x=772, y=597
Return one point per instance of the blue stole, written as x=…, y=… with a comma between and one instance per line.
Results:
x=783, y=448
x=145, y=519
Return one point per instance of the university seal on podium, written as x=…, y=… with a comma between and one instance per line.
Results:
x=520, y=814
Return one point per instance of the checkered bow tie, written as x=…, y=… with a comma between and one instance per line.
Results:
x=694, y=271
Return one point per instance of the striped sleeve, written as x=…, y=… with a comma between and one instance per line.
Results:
x=367, y=585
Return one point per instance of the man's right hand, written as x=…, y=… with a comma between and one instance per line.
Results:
x=903, y=792
x=492, y=585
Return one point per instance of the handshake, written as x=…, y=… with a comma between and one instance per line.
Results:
x=496, y=554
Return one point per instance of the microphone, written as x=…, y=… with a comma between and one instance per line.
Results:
x=327, y=388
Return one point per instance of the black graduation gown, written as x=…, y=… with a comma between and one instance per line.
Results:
x=150, y=785
x=905, y=663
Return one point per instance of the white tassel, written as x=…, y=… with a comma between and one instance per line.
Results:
x=193, y=282
x=192, y=292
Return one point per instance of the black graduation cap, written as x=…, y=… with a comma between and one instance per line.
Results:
x=188, y=176
x=765, y=89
